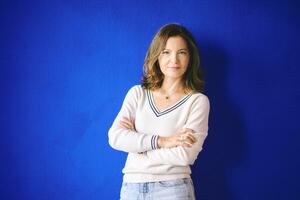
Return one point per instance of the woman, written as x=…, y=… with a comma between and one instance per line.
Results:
x=164, y=121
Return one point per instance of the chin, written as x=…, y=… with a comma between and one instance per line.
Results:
x=174, y=76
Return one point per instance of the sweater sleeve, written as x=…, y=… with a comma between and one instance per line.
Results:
x=183, y=156
x=127, y=140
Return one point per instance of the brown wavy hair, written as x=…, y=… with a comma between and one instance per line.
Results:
x=153, y=77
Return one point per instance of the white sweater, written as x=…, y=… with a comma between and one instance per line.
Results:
x=145, y=162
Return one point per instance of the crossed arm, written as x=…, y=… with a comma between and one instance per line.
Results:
x=180, y=149
x=183, y=137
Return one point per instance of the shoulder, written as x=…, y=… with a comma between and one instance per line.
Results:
x=136, y=88
x=200, y=99
x=198, y=96
x=135, y=91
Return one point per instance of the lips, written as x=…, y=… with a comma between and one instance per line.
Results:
x=174, y=67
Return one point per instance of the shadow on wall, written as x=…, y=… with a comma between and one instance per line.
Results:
x=225, y=146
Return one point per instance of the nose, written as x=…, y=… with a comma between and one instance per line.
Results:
x=174, y=58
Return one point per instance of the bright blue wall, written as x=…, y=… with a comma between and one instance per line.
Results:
x=66, y=66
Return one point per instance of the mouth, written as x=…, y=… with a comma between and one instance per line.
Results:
x=173, y=67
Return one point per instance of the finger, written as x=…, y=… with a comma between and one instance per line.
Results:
x=125, y=125
x=191, y=134
x=187, y=144
x=189, y=141
x=131, y=122
x=192, y=138
x=126, y=120
x=188, y=138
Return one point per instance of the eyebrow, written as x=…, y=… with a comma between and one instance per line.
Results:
x=177, y=50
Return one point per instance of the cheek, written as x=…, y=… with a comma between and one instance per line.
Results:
x=186, y=61
x=161, y=62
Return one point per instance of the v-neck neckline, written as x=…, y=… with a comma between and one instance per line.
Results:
x=158, y=112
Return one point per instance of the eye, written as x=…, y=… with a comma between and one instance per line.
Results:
x=166, y=52
x=183, y=52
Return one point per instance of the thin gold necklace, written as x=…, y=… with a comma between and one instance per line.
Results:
x=168, y=96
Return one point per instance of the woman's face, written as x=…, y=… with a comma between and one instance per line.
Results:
x=174, y=59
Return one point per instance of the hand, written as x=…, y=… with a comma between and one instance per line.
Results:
x=185, y=138
x=127, y=124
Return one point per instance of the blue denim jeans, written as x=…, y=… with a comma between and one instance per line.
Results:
x=179, y=189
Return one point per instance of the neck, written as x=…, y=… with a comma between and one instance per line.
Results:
x=171, y=85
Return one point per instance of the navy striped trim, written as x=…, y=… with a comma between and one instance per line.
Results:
x=155, y=110
x=154, y=142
